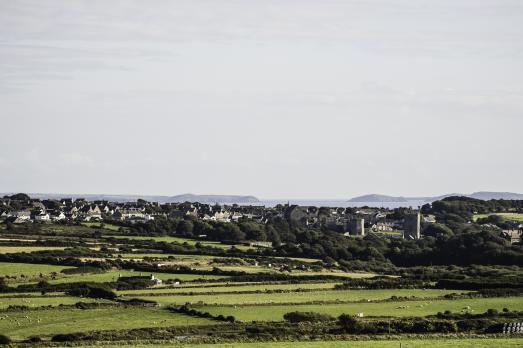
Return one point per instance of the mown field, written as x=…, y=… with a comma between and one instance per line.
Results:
x=28, y=269
x=399, y=343
x=259, y=299
x=219, y=287
x=26, y=249
x=45, y=323
x=506, y=216
x=171, y=239
x=40, y=301
x=298, y=297
x=104, y=226
x=112, y=276
x=392, y=308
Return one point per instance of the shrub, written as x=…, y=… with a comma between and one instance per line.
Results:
x=492, y=312
x=33, y=339
x=66, y=337
x=349, y=323
x=87, y=290
x=4, y=339
x=297, y=317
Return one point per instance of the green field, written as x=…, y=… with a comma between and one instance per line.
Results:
x=407, y=343
x=45, y=323
x=506, y=216
x=392, y=309
x=174, y=257
x=297, y=297
x=172, y=239
x=29, y=294
x=106, y=226
x=113, y=276
x=221, y=288
x=28, y=269
x=42, y=301
x=26, y=249
x=32, y=271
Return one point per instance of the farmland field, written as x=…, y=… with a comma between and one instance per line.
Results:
x=26, y=249
x=405, y=343
x=113, y=276
x=45, y=323
x=221, y=308
x=106, y=226
x=171, y=239
x=297, y=297
x=28, y=269
x=392, y=309
x=506, y=216
x=218, y=288
x=42, y=301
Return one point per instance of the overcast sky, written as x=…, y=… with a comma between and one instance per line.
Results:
x=274, y=98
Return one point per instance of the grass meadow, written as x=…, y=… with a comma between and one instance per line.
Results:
x=397, y=343
x=387, y=309
x=45, y=323
x=297, y=297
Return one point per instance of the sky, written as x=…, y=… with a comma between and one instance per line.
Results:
x=277, y=99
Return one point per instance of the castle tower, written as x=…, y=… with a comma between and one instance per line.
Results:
x=412, y=226
x=357, y=227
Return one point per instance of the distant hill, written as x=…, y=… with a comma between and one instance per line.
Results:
x=377, y=198
x=210, y=199
x=484, y=195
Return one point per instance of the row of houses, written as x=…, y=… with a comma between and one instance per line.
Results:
x=34, y=210
x=347, y=220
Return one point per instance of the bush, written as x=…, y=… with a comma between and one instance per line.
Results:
x=349, y=323
x=298, y=317
x=4, y=339
x=33, y=339
x=492, y=312
x=87, y=290
x=66, y=337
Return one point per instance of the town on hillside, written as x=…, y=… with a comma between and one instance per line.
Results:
x=20, y=208
x=351, y=222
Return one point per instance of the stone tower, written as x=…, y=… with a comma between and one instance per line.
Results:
x=412, y=226
x=357, y=227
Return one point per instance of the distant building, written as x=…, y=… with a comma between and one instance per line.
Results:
x=151, y=278
x=42, y=217
x=412, y=226
x=383, y=227
x=514, y=235
x=21, y=216
x=357, y=227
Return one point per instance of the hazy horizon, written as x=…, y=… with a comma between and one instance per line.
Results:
x=294, y=99
x=318, y=199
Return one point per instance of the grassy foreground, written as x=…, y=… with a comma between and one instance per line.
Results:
x=46, y=323
x=429, y=343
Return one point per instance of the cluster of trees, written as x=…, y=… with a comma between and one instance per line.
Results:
x=92, y=291
x=515, y=282
x=299, y=317
x=186, y=309
x=453, y=240
x=442, y=323
x=383, y=283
